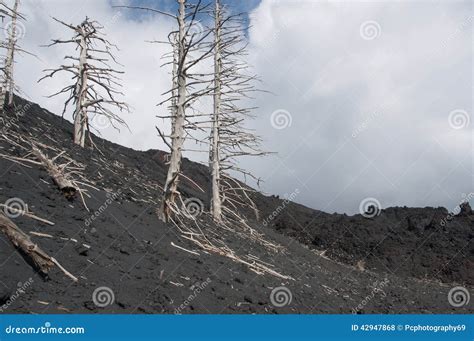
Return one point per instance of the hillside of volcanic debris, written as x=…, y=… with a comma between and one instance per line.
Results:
x=400, y=260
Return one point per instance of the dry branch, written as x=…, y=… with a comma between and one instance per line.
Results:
x=26, y=214
x=182, y=248
x=57, y=173
x=39, y=234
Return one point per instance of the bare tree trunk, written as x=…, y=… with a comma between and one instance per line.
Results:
x=174, y=90
x=2, y=87
x=3, y=95
x=214, y=162
x=11, y=51
x=8, y=83
x=172, y=178
x=80, y=115
x=39, y=259
x=11, y=85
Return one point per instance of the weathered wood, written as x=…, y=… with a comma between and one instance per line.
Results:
x=177, y=140
x=8, y=82
x=80, y=114
x=60, y=179
x=214, y=154
x=36, y=257
x=230, y=137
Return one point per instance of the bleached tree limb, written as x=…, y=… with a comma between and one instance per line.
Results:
x=8, y=82
x=67, y=273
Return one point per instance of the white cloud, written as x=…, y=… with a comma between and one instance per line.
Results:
x=393, y=93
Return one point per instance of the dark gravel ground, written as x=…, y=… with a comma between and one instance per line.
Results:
x=425, y=243
x=411, y=262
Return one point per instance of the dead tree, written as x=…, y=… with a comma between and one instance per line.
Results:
x=11, y=46
x=189, y=48
x=230, y=138
x=177, y=137
x=96, y=83
x=192, y=48
x=216, y=202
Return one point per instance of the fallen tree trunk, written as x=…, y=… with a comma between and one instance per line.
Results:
x=61, y=180
x=37, y=257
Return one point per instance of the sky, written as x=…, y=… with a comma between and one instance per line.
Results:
x=366, y=102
